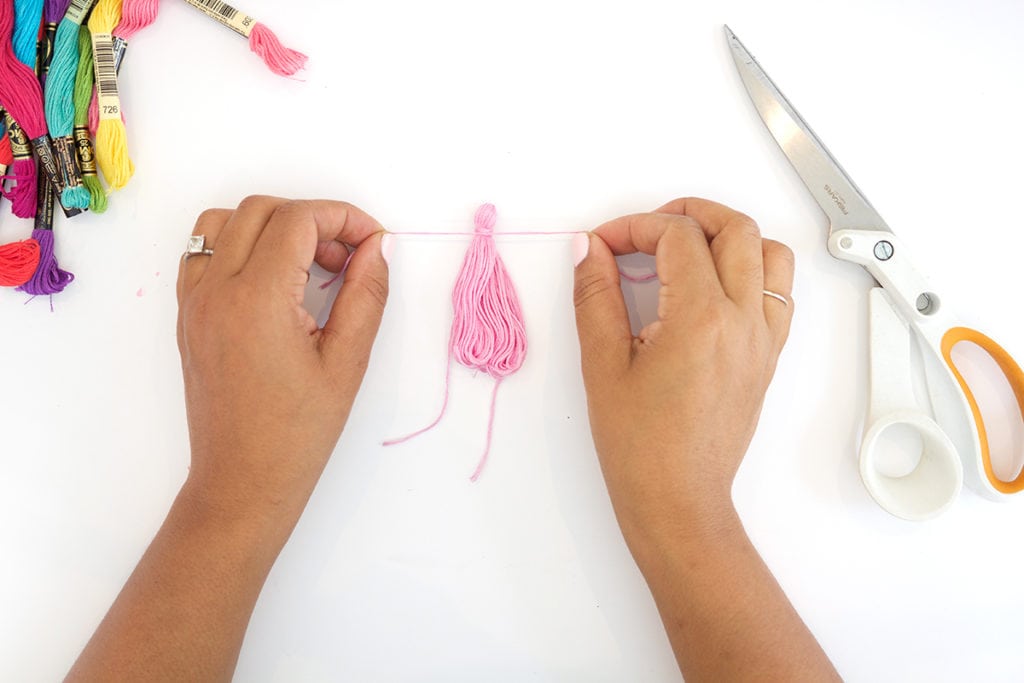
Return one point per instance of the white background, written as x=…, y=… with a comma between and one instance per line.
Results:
x=564, y=114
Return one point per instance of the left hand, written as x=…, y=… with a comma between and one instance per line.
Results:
x=267, y=391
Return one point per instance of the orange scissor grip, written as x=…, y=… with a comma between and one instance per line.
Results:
x=1014, y=375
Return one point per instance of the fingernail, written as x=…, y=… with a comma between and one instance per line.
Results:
x=580, y=247
x=387, y=245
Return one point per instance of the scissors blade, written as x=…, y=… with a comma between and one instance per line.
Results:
x=836, y=194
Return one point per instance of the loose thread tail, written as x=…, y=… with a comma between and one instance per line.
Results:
x=341, y=273
x=444, y=407
x=490, y=432
x=281, y=60
x=638, y=278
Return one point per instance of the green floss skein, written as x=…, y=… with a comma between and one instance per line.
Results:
x=82, y=95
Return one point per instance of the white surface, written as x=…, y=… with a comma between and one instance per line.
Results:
x=564, y=114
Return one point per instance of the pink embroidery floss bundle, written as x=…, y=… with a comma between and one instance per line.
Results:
x=281, y=60
x=488, y=332
x=23, y=99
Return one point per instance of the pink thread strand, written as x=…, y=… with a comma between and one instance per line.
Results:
x=444, y=407
x=490, y=431
x=341, y=273
x=463, y=233
x=488, y=332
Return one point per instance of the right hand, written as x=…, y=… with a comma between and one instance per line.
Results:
x=673, y=409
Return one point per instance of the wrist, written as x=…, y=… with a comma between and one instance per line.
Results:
x=243, y=517
x=686, y=529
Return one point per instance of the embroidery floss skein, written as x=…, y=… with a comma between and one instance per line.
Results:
x=6, y=157
x=60, y=107
x=111, y=137
x=488, y=332
x=27, y=15
x=83, y=95
x=281, y=60
x=23, y=171
x=23, y=98
x=18, y=261
x=49, y=278
x=135, y=16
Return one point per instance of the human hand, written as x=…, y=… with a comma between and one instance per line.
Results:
x=267, y=391
x=673, y=409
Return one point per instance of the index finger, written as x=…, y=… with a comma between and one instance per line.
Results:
x=289, y=242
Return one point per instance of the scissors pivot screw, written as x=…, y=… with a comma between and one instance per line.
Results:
x=883, y=250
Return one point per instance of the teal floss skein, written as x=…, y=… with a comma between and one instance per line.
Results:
x=60, y=108
x=27, y=15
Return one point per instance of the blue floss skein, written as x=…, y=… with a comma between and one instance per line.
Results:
x=27, y=15
x=60, y=108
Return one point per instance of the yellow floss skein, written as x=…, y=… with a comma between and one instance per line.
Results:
x=111, y=136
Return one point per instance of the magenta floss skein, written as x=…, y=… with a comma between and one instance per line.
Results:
x=19, y=89
x=488, y=332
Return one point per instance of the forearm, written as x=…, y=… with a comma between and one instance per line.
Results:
x=725, y=615
x=182, y=614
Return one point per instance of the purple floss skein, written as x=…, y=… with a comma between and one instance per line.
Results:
x=49, y=278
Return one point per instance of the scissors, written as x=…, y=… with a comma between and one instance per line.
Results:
x=903, y=309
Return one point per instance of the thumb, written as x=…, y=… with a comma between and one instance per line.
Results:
x=355, y=315
x=601, y=319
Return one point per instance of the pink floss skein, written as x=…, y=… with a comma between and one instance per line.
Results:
x=281, y=60
x=135, y=16
x=488, y=332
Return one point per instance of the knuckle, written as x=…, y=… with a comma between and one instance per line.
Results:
x=777, y=251
x=746, y=226
x=291, y=211
x=254, y=202
x=591, y=285
x=375, y=287
x=210, y=216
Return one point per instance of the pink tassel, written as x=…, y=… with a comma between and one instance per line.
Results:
x=282, y=61
x=488, y=332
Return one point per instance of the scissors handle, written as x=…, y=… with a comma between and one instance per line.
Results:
x=953, y=402
x=1013, y=375
x=934, y=481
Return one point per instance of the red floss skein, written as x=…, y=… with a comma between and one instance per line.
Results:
x=488, y=332
x=18, y=261
x=6, y=157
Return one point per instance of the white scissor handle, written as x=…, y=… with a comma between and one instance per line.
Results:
x=935, y=480
x=938, y=331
